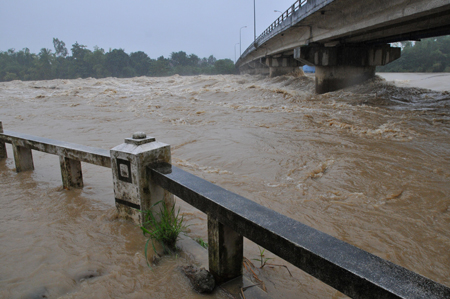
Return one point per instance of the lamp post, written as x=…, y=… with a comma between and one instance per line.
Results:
x=254, y=20
x=235, y=52
x=278, y=11
x=240, y=44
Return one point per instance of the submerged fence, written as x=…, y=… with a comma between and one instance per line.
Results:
x=142, y=175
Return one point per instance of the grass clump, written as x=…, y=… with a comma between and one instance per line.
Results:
x=163, y=226
x=202, y=243
x=262, y=259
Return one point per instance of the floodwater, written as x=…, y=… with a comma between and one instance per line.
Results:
x=369, y=165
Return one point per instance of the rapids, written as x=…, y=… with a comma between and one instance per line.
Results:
x=369, y=165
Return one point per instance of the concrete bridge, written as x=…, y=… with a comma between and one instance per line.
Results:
x=344, y=39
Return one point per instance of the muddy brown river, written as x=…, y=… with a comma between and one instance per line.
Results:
x=369, y=165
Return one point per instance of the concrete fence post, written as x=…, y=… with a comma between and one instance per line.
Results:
x=23, y=158
x=3, y=154
x=133, y=189
x=71, y=174
x=225, y=251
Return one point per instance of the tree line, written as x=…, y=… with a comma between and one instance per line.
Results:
x=428, y=55
x=84, y=63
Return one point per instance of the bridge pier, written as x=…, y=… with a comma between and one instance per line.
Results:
x=257, y=67
x=279, y=66
x=343, y=66
x=330, y=78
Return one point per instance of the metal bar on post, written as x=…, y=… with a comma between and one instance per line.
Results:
x=71, y=174
x=225, y=251
x=3, y=154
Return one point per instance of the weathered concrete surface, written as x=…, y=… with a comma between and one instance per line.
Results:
x=331, y=78
x=279, y=66
x=71, y=174
x=23, y=158
x=69, y=150
x=255, y=68
x=133, y=187
x=346, y=268
x=3, y=153
x=225, y=251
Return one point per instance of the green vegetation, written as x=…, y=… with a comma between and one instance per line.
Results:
x=428, y=55
x=202, y=243
x=262, y=259
x=163, y=226
x=84, y=63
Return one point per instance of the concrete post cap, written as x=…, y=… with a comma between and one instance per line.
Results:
x=139, y=138
x=139, y=135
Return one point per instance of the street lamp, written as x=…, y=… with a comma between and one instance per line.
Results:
x=240, y=34
x=235, y=52
x=254, y=20
x=278, y=11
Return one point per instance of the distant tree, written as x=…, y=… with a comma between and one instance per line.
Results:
x=428, y=55
x=193, y=60
x=78, y=67
x=224, y=66
x=96, y=61
x=211, y=60
x=60, y=47
x=140, y=62
x=24, y=65
x=160, y=67
x=44, y=64
x=78, y=51
x=179, y=58
x=116, y=62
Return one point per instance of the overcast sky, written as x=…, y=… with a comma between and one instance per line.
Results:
x=201, y=27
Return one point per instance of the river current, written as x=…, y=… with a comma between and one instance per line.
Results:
x=369, y=165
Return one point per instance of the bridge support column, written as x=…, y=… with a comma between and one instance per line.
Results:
x=225, y=251
x=133, y=189
x=343, y=66
x=71, y=174
x=3, y=154
x=255, y=68
x=330, y=78
x=279, y=66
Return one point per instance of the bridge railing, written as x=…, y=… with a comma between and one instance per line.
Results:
x=285, y=15
x=231, y=217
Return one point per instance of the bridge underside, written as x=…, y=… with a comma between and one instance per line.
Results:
x=344, y=39
x=336, y=67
